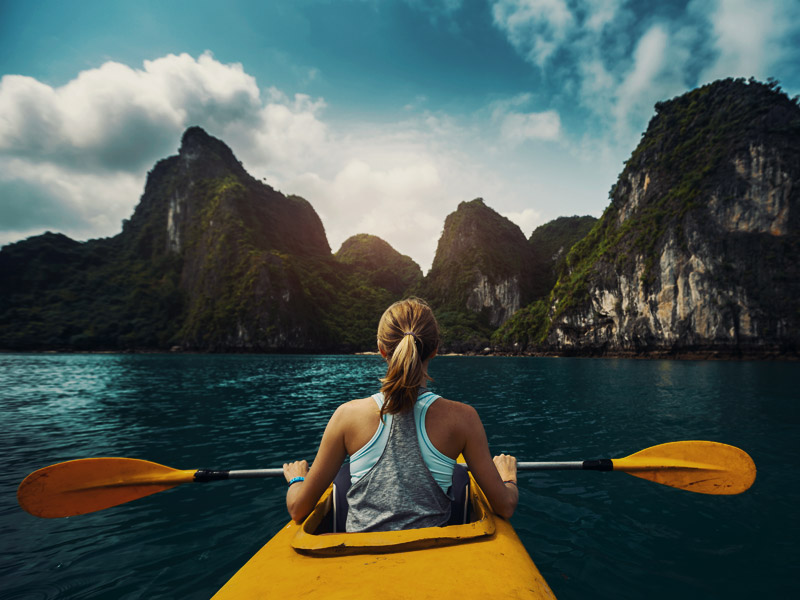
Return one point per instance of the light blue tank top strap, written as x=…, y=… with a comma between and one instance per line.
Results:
x=440, y=466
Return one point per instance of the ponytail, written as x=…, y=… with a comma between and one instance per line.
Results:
x=408, y=335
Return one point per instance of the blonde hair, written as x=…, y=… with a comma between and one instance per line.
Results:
x=408, y=335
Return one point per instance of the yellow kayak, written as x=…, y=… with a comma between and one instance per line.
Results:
x=483, y=558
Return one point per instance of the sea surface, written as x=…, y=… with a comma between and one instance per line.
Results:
x=592, y=535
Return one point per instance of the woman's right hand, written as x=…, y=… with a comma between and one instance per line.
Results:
x=506, y=466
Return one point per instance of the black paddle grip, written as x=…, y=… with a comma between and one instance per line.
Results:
x=205, y=475
x=602, y=464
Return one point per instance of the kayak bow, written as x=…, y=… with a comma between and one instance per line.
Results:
x=464, y=561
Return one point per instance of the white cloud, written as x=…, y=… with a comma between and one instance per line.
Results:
x=116, y=118
x=37, y=197
x=599, y=14
x=396, y=204
x=536, y=28
x=634, y=91
x=518, y=127
x=528, y=219
x=79, y=148
x=751, y=37
x=286, y=135
x=73, y=158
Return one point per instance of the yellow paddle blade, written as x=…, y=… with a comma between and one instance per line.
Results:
x=697, y=466
x=87, y=485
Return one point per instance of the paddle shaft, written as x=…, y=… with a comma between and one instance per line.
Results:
x=603, y=464
x=206, y=475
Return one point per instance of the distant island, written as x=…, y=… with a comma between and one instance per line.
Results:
x=696, y=255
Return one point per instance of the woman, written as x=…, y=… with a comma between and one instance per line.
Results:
x=403, y=442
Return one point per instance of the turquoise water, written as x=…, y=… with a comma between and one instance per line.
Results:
x=593, y=535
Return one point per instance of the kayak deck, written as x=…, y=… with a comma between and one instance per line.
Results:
x=480, y=559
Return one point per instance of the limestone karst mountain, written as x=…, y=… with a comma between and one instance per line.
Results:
x=698, y=250
x=379, y=263
x=211, y=260
x=481, y=275
x=551, y=242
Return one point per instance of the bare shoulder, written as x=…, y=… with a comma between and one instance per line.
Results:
x=357, y=420
x=456, y=406
x=356, y=412
x=356, y=408
x=463, y=413
x=451, y=425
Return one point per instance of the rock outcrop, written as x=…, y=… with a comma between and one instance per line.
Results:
x=550, y=244
x=379, y=263
x=244, y=249
x=698, y=249
x=697, y=253
x=211, y=260
x=480, y=276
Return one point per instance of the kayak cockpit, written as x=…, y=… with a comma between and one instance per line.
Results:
x=315, y=536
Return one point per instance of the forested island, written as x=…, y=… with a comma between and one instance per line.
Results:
x=695, y=255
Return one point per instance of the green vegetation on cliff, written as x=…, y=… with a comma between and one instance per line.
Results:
x=61, y=294
x=372, y=276
x=686, y=159
x=379, y=263
x=211, y=260
x=214, y=260
x=551, y=243
x=481, y=258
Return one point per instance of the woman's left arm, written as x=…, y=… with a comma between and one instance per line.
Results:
x=301, y=497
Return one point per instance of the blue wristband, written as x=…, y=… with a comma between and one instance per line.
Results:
x=296, y=480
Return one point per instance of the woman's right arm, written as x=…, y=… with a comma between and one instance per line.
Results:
x=490, y=474
x=302, y=497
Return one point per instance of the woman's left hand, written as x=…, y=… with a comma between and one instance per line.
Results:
x=298, y=468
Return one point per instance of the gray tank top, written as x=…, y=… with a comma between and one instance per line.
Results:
x=399, y=492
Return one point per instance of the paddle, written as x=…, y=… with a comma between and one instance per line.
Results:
x=697, y=466
x=88, y=485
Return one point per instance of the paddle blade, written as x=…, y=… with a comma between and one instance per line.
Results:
x=697, y=466
x=87, y=485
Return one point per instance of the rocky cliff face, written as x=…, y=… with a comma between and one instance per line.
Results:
x=185, y=193
x=698, y=249
x=243, y=249
x=500, y=300
x=481, y=274
x=211, y=259
x=697, y=252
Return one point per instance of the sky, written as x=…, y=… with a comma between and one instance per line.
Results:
x=383, y=114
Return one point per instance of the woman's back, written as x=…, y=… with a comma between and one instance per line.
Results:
x=408, y=338
x=396, y=489
x=444, y=422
